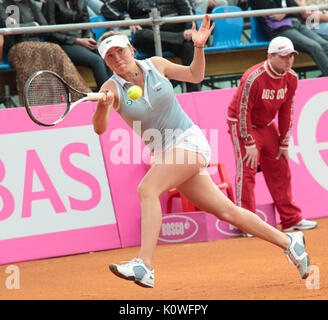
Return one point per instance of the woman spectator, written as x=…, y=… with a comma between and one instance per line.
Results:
x=27, y=53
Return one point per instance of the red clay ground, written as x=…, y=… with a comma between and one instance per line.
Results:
x=236, y=268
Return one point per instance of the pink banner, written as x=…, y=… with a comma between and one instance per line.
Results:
x=54, y=188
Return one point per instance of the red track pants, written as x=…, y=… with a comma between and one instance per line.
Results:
x=276, y=173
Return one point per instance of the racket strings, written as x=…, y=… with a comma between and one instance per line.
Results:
x=47, y=98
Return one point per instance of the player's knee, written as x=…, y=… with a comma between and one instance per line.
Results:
x=145, y=191
x=229, y=213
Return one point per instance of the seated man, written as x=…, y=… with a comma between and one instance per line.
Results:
x=175, y=37
x=303, y=38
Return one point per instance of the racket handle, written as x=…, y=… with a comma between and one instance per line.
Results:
x=94, y=95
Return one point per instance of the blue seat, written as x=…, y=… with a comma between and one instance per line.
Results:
x=258, y=35
x=4, y=66
x=199, y=22
x=4, y=63
x=98, y=31
x=227, y=32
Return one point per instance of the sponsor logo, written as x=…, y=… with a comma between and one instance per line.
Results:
x=230, y=230
x=262, y=215
x=227, y=229
x=178, y=228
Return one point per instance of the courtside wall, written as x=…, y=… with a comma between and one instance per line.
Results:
x=64, y=190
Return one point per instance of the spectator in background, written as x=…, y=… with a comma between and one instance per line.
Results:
x=304, y=40
x=315, y=20
x=175, y=37
x=94, y=7
x=28, y=54
x=78, y=44
x=39, y=3
x=209, y=5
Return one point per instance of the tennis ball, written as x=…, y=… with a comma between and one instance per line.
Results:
x=134, y=92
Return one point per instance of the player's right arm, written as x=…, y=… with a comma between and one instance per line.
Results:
x=110, y=100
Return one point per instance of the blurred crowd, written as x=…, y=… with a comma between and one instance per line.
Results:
x=63, y=51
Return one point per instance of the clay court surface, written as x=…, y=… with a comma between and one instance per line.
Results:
x=232, y=269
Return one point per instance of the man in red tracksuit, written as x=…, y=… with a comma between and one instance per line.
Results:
x=265, y=90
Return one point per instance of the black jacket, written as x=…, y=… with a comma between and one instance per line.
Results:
x=140, y=9
x=57, y=12
x=270, y=4
x=28, y=13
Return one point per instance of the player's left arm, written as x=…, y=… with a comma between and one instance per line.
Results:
x=196, y=71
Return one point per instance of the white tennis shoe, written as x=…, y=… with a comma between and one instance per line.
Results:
x=296, y=254
x=134, y=270
x=302, y=225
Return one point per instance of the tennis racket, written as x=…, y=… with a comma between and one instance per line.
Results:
x=48, y=98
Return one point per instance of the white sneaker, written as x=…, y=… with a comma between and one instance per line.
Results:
x=247, y=235
x=302, y=225
x=296, y=254
x=134, y=270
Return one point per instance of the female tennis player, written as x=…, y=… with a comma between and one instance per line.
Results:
x=178, y=158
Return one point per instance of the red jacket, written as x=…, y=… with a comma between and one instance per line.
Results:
x=262, y=94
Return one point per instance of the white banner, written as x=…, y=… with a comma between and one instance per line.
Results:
x=52, y=180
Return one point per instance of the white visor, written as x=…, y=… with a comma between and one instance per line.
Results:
x=113, y=41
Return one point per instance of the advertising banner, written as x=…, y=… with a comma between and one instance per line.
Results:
x=54, y=190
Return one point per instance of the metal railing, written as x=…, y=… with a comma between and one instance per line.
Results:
x=155, y=20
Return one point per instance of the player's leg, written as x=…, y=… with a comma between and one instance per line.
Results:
x=160, y=178
x=201, y=190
